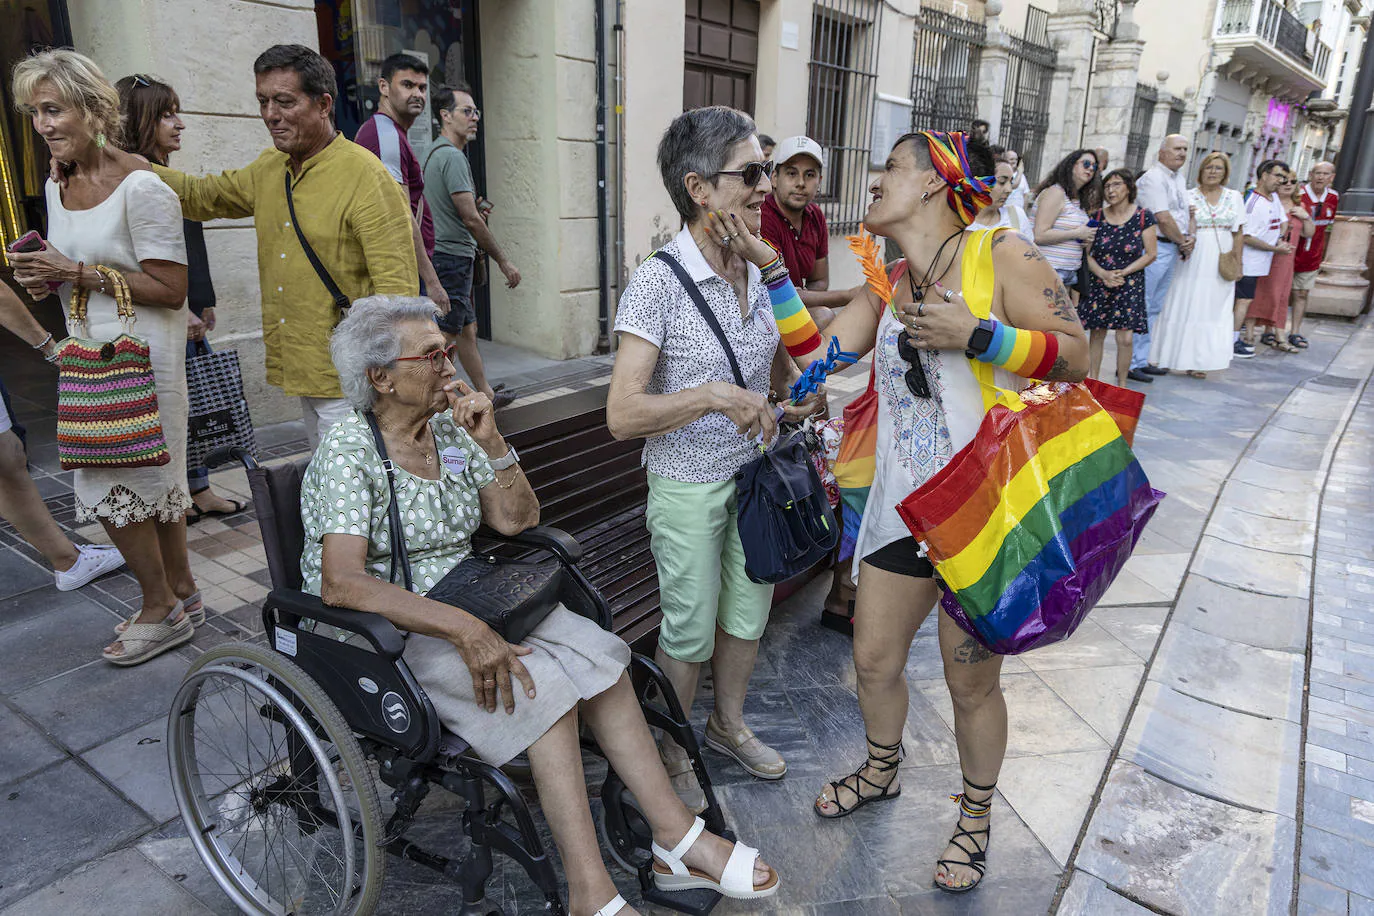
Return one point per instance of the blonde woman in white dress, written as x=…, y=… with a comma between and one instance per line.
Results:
x=1194, y=332
x=111, y=210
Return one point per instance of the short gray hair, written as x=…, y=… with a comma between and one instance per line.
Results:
x=369, y=337
x=699, y=141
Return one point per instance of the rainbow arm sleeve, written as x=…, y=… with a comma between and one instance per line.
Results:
x=799, y=333
x=1029, y=354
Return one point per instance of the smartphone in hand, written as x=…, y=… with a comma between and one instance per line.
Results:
x=29, y=241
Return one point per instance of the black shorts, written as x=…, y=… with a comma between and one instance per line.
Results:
x=455, y=273
x=903, y=558
x=1245, y=287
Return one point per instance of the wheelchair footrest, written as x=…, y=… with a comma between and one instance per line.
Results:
x=696, y=902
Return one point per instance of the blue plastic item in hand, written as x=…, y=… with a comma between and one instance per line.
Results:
x=813, y=377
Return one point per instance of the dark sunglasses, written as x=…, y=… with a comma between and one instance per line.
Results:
x=141, y=80
x=752, y=173
x=916, y=381
x=1089, y=164
x=437, y=358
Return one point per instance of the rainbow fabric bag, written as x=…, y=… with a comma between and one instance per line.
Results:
x=107, y=415
x=1029, y=524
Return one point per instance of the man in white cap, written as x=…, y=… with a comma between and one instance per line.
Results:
x=795, y=226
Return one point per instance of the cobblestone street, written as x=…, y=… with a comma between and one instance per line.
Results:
x=1202, y=743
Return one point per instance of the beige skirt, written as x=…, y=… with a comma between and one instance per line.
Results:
x=573, y=660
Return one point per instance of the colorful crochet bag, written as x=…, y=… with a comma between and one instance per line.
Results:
x=107, y=414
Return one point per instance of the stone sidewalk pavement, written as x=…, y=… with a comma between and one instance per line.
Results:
x=1126, y=789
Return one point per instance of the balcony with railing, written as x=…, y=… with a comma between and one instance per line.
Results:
x=1262, y=36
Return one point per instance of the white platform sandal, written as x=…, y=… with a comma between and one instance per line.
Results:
x=615, y=906
x=736, y=881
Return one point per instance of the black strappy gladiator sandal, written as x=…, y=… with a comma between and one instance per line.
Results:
x=977, y=856
x=890, y=759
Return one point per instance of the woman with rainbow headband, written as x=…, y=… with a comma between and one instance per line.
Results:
x=927, y=336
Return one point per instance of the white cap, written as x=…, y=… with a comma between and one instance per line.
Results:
x=798, y=146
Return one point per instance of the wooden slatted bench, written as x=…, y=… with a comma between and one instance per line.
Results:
x=593, y=487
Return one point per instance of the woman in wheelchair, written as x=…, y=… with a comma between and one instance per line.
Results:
x=454, y=471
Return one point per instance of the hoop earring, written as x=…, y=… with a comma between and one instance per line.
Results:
x=925, y=197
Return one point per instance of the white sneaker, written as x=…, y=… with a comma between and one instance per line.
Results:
x=91, y=563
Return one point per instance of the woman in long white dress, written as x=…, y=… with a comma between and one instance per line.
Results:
x=1194, y=330
x=114, y=212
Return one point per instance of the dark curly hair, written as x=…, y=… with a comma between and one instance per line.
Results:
x=1089, y=196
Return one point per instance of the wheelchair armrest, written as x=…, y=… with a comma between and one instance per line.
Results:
x=376, y=629
x=555, y=540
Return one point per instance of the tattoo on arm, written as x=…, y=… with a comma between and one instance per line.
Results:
x=1057, y=298
x=971, y=652
x=1059, y=372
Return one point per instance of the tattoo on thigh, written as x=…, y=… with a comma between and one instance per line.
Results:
x=971, y=652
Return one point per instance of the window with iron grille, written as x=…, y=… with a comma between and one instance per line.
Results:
x=944, y=73
x=1175, y=117
x=844, y=70
x=1026, y=104
x=1139, y=136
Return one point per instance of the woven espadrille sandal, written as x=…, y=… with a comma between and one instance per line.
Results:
x=195, y=610
x=144, y=641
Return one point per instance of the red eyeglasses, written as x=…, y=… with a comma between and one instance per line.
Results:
x=437, y=358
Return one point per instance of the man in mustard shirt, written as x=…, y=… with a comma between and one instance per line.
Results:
x=351, y=212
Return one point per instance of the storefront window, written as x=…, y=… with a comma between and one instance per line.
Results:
x=29, y=25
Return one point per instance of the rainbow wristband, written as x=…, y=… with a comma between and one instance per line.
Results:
x=1029, y=354
x=799, y=333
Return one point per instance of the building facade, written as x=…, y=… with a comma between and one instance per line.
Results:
x=576, y=93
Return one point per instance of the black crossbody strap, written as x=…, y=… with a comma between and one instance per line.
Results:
x=340, y=300
x=706, y=312
x=398, y=540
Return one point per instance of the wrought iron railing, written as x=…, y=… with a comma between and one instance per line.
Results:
x=944, y=74
x=1138, y=138
x=844, y=73
x=1026, y=104
x=1273, y=24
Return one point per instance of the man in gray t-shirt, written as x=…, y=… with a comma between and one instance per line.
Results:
x=460, y=228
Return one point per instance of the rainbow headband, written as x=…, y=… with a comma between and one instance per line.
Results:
x=967, y=194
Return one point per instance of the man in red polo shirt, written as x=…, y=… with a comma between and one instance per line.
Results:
x=795, y=226
x=1320, y=200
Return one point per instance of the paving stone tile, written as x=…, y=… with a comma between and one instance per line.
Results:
x=1277, y=535
x=994, y=898
x=1162, y=571
x=19, y=574
x=1278, y=574
x=55, y=819
x=1088, y=895
x=1129, y=588
x=1052, y=794
x=1317, y=898
x=121, y=882
x=836, y=729
x=135, y=763
x=23, y=748
x=1179, y=852
x=1338, y=860
x=1298, y=505
x=1229, y=755
x=1137, y=626
x=1102, y=697
x=1038, y=721
x=1242, y=616
x=1283, y=448
x=172, y=853
x=1091, y=646
x=1239, y=676
x=59, y=634
x=76, y=707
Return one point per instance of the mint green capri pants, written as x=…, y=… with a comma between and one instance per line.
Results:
x=694, y=536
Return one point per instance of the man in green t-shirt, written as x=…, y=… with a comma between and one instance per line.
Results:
x=460, y=228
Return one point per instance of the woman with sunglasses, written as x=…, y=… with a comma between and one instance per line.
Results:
x=930, y=403
x=673, y=384
x=1062, y=204
x=152, y=129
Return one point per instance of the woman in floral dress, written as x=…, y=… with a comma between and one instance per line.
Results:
x=1115, y=298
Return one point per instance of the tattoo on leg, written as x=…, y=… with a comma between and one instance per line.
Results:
x=971, y=652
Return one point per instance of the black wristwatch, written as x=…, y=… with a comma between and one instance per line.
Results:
x=980, y=339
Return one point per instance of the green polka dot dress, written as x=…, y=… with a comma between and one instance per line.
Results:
x=345, y=492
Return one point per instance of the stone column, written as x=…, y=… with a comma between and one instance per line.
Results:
x=1111, y=99
x=1159, y=121
x=992, y=70
x=1071, y=35
x=1341, y=286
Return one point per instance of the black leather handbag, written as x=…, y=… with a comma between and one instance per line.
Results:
x=510, y=596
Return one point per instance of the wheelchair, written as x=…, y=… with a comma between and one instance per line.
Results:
x=276, y=753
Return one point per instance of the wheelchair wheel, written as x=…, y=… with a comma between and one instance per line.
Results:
x=275, y=792
x=625, y=831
